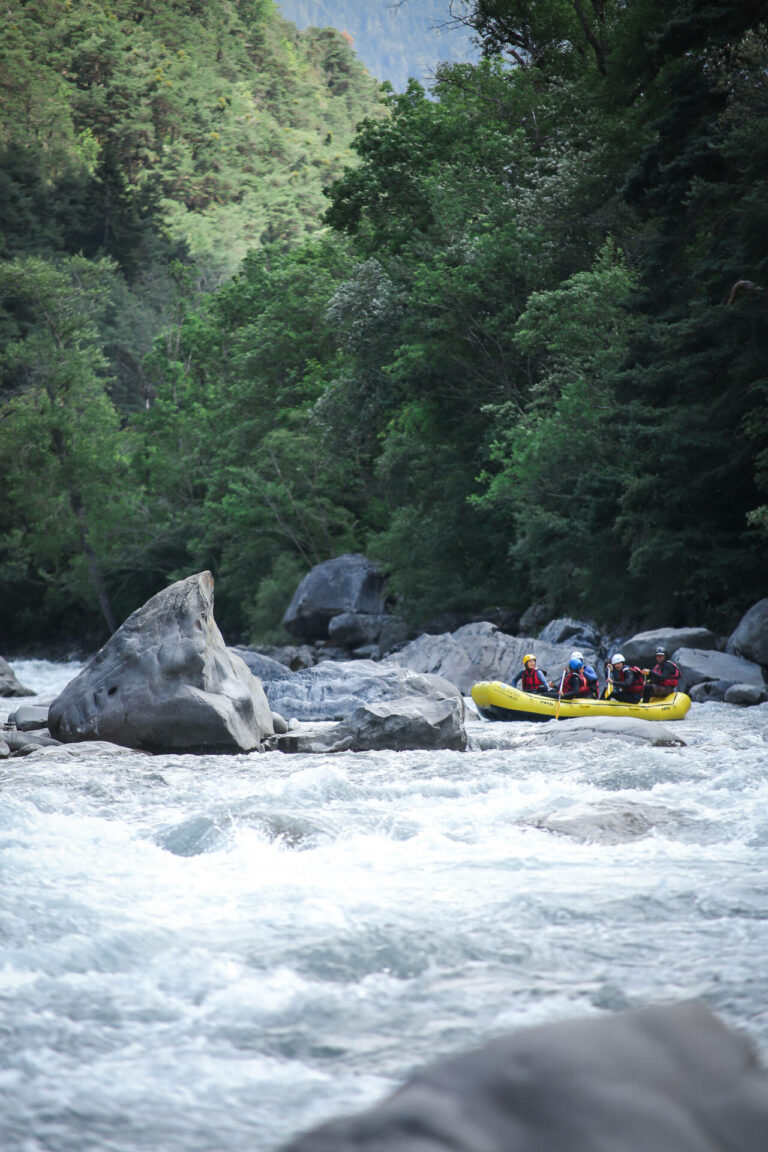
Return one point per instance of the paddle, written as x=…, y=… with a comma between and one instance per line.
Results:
x=559, y=696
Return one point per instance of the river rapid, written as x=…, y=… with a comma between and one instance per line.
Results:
x=211, y=954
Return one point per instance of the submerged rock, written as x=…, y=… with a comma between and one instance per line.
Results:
x=671, y=1079
x=165, y=681
x=582, y=729
x=745, y=695
x=612, y=822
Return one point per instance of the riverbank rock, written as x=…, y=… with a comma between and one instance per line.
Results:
x=580, y=730
x=479, y=652
x=667, y=1079
x=334, y=689
x=641, y=648
x=166, y=681
x=349, y=583
x=9, y=685
x=29, y=717
x=750, y=639
x=710, y=690
x=409, y=724
x=577, y=633
x=697, y=665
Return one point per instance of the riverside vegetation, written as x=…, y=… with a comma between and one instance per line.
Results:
x=519, y=354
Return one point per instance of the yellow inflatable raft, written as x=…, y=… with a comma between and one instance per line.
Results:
x=497, y=701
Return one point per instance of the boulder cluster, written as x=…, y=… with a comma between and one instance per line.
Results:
x=355, y=679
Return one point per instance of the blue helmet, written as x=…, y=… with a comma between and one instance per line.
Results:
x=574, y=664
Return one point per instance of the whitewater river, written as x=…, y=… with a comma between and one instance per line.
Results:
x=212, y=954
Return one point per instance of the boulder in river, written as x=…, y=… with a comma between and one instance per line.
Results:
x=635, y=730
x=671, y=1078
x=349, y=583
x=407, y=724
x=480, y=652
x=745, y=695
x=697, y=665
x=9, y=685
x=641, y=648
x=750, y=639
x=332, y=690
x=165, y=681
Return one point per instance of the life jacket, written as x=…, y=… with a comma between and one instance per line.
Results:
x=531, y=680
x=576, y=681
x=636, y=687
x=670, y=682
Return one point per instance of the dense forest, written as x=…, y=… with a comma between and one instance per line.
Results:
x=396, y=39
x=517, y=352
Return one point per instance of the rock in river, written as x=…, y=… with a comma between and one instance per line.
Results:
x=165, y=681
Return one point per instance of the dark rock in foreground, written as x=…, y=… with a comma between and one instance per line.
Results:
x=9, y=685
x=165, y=681
x=670, y=1079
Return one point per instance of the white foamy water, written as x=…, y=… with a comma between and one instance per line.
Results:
x=212, y=954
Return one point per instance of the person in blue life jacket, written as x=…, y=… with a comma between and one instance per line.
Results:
x=533, y=679
x=627, y=681
x=592, y=677
x=574, y=683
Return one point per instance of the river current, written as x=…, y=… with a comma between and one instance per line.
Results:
x=212, y=954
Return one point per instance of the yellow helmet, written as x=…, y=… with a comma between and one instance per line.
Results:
x=530, y=656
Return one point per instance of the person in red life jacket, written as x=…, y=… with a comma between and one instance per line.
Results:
x=575, y=684
x=663, y=678
x=627, y=680
x=533, y=680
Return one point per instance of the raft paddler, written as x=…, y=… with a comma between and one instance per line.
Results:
x=627, y=680
x=533, y=679
x=663, y=678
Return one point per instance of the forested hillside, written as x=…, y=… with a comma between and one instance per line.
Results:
x=395, y=39
x=523, y=356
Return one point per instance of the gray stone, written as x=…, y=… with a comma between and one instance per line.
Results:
x=580, y=730
x=5, y=749
x=353, y=629
x=349, y=583
x=746, y=695
x=696, y=665
x=710, y=690
x=565, y=630
x=611, y=822
x=533, y=619
x=17, y=740
x=641, y=648
x=165, y=680
x=29, y=717
x=750, y=639
x=259, y=665
x=279, y=724
x=407, y=724
x=655, y=1079
x=9, y=685
x=332, y=690
x=480, y=652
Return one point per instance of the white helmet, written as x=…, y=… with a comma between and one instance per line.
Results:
x=577, y=656
x=618, y=658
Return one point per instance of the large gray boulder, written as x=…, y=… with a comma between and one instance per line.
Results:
x=565, y=630
x=667, y=1079
x=480, y=652
x=9, y=685
x=696, y=666
x=631, y=729
x=408, y=724
x=750, y=640
x=334, y=689
x=349, y=583
x=745, y=695
x=641, y=648
x=165, y=681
